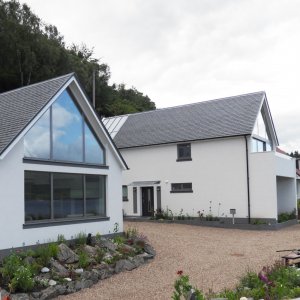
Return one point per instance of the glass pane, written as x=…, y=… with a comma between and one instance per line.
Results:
x=93, y=150
x=184, y=151
x=125, y=192
x=260, y=146
x=254, y=145
x=67, y=130
x=67, y=195
x=95, y=195
x=37, y=196
x=37, y=139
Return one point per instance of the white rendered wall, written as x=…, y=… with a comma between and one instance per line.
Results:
x=286, y=194
x=217, y=172
x=263, y=192
x=12, y=201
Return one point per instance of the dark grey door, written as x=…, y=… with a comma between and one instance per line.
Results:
x=147, y=201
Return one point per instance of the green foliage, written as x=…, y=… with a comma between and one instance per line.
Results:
x=23, y=279
x=286, y=216
x=210, y=217
x=32, y=51
x=116, y=227
x=131, y=232
x=183, y=288
x=80, y=238
x=258, y=222
x=10, y=265
x=44, y=253
x=100, y=255
x=98, y=237
x=83, y=261
x=61, y=239
x=119, y=240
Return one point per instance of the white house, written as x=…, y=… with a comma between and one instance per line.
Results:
x=60, y=172
x=210, y=156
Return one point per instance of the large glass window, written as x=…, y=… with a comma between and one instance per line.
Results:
x=67, y=130
x=63, y=134
x=93, y=151
x=67, y=195
x=37, y=196
x=37, y=140
x=95, y=195
x=63, y=196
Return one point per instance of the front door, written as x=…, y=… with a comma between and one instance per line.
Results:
x=147, y=201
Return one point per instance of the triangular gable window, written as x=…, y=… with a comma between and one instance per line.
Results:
x=63, y=134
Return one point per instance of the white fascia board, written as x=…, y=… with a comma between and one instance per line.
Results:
x=35, y=119
x=113, y=147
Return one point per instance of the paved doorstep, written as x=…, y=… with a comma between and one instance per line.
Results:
x=212, y=257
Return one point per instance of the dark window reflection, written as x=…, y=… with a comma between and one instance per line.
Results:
x=37, y=196
x=95, y=195
x=67, y=195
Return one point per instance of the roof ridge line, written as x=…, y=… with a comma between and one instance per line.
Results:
x=33, y=84
x=184, y=105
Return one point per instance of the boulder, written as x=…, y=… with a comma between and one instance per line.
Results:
x=45, y=270
x=90, y=251
x=29, y=260
x=145, y=256
x=83, y=284
x=124, y=264
x=52, y=282
x=52, y=292
x=104, y=243
x=58, y=268
x=70, y=287
x=66, y=255
x=104, y=271
x=137, y=261
x=20, y=296
x=149, y=249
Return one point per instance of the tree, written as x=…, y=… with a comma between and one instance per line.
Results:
x=32, y=51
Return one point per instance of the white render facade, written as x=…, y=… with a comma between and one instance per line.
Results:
x=20, y=223
x=219, y=180
x=243, y=172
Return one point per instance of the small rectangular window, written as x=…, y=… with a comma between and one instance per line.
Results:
x=181, y=187
x=184, y=152
x=125, y=192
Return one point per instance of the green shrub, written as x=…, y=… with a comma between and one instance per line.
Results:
x=80, y=239
x=83, y=261
x=61, y=239
x=23, y=280
x=10, y=265
x=100, y=255
x=45, y=253
x=119, y=240
x=286, y=216
x=131, y=232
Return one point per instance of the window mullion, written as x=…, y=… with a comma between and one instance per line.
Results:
x=52, y=195
x=84, y=195
x=51, y=134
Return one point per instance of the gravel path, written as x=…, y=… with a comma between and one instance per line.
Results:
x=214, y=258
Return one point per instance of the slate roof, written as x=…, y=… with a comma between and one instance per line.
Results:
x=231, y=116
x=18, y=107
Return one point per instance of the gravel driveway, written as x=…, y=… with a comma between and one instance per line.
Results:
x=213, y=257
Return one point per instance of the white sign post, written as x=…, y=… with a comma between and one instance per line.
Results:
x=233, y=212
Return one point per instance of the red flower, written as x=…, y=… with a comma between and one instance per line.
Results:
x=179, y=272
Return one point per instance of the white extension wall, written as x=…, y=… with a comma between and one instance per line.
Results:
x=217, y=172
x=12, y=201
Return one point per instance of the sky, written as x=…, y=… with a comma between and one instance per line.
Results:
x=184, y=51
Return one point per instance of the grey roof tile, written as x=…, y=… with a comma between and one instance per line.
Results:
x=18, y=107
x=231, y=116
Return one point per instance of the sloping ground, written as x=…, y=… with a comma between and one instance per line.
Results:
x=214, y=258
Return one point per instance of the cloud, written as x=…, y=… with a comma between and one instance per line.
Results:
x=182, y=51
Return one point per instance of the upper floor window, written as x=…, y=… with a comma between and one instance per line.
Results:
x=184, y=152
x=63, y=134
x=260, y=146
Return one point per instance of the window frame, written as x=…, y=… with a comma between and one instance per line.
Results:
x=184, y=158
x=69, y=162
x=125, y=198
x=182, y=188
x=72, y=220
